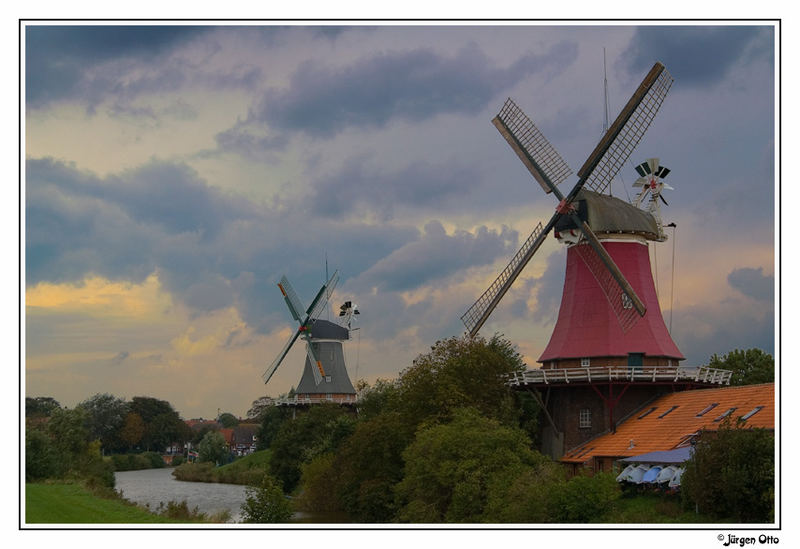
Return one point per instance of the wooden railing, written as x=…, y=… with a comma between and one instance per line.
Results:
x=699, y=374
x=299, y=401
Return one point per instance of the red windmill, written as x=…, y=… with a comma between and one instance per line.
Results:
x=610, y=337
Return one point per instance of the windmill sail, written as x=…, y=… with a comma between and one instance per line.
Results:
x=323, y=296
x=296, y=306
x=531, y=146
x=627, y=130
x=476, y=315
x=278, y=359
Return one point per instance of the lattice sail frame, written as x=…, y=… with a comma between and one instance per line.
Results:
x=535, y=144
x=476, y=315
x=619, y=302
x=630, y=135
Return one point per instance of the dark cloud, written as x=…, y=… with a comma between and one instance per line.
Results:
x=411, y=85
x=119, y=357
x=696, y=55
x=436, y=255
x=701, y=331
x=368, y=189
x=56, y=57
x=753, y=283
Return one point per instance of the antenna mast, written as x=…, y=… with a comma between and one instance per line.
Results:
x=605, y=95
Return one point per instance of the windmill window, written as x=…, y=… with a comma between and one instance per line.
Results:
x=725, y=414
x=707, y=409
x=585, y=418
x=752, y=412
x=586, y=362
x=668, y=411
x=647, y=413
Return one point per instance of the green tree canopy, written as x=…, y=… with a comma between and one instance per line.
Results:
x=457, y=373
x=132, y=430
x=731, y=474
x=228, y=420
x=105, y=416
x=449, y=467
x=212, y=448
x=40, y=406
x=749, y=366
x=272, y=419
x=162, y=424
x=298, y=441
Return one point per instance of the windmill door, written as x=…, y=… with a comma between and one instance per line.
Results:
x=635, y=360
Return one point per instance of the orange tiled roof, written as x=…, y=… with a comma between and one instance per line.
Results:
x=652, y=432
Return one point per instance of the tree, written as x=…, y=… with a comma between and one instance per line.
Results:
x=271, y=420
x=40, y=406
x=457, y=373
x=162, y=423
x=449, y=467
x=258, y=407
x=69, y=436
x=749, y=367
x=266, y=503
x=105, y=418
x=212, y=448
x=367, y=467
x=228, y=420
x=132, y=430
x=731, y=474
x=298, y=441
x=41, y=461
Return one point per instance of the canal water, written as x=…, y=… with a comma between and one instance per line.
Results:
x=153, y=486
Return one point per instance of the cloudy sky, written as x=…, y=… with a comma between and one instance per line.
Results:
x=173, y=174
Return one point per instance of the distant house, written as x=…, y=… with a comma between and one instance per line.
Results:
x=673, y=421
x=228, y=434
x=244, y=438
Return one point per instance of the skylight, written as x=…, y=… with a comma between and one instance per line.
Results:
x=725, y=414
x=668, y=411
x=707, y=409
x=646, y=413
x=752, y=412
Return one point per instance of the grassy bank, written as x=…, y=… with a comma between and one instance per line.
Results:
x=74, y=504
x=247, y=470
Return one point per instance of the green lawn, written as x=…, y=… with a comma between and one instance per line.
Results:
x=74, y=504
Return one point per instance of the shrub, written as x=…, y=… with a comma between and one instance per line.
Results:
x=40, y=460
x=177, y=460
x=153, y=460
x=584, y=498
x=266, y=503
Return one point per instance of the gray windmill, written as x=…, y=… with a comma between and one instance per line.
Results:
x=324, y=373
x=587, y=208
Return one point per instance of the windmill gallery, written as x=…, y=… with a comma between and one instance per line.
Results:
x=610, y=353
